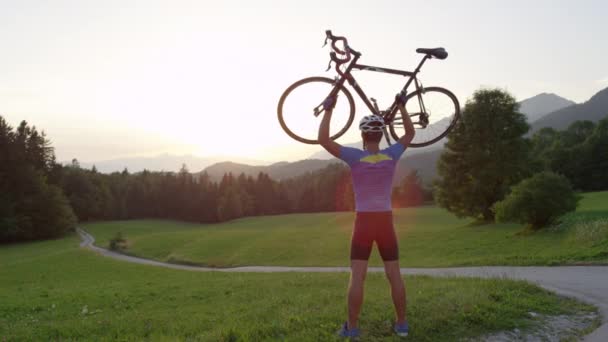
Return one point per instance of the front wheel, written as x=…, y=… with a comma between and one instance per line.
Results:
x=296, y=109
x=434, y=111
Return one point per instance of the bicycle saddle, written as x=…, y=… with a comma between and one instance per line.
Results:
x=438, y=53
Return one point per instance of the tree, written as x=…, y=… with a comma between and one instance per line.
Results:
x=579, y=153
x=30, y=208
x=410, y=192
x=230, y=205
x=567, y=153
x=542, y=143
x=485, y=155
x=538, y=201
x=594, y=167
x=81, y=193
x=345, y=197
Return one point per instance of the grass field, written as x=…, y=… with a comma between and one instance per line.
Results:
x=54, y=290
x=428, y=237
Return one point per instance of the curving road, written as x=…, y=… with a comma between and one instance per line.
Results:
x=586, y=283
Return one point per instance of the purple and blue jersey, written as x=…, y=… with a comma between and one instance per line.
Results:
x=372, y=176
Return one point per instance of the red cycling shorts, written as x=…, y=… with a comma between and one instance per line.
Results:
x=374, y=226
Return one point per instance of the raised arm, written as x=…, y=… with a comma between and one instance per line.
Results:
x=324, y=138
x=410, y=132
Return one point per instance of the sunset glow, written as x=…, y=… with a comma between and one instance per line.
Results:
x=115, y=78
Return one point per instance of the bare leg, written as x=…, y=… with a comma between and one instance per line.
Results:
x=355, y=290
x=393, y=273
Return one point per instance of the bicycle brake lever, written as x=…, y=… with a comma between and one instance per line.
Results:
x=324, y=44
x=328, y=66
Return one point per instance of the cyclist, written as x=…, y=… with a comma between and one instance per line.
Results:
x=372, y=171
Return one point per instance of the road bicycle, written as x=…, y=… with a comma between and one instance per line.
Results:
x=434, y=111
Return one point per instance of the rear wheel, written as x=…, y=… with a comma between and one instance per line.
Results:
x=433, y=111
x=296, y=109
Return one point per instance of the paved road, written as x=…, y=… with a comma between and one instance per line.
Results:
x=586, y=283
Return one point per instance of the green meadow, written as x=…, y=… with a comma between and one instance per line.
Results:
x=428, y=237
x=56, y=291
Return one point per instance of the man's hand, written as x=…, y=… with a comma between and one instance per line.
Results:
x=410, y=132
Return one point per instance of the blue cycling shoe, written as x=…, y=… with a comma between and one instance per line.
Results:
x=348, y=333
x=401, y=329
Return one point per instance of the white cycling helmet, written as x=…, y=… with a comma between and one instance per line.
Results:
x=371, y=123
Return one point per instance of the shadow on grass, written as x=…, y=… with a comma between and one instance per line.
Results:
x=476, y=223
x=176, y=261
x=588, y=215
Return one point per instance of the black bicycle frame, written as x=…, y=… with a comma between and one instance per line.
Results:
x=347, y=76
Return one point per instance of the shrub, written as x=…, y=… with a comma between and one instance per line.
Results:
x=118, y=243
x=538, y=201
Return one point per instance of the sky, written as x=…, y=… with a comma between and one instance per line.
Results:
x=110, y=79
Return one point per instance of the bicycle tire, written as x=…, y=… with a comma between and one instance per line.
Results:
x=451, y=125
x=345, y=93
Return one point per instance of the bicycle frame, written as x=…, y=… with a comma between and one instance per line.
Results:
x=389, y=115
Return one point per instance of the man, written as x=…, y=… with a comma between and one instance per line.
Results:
x=372, y=172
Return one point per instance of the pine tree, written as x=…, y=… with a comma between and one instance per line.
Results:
x=410, y=192
x=30, y=208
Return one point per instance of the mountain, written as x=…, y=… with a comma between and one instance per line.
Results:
x=323, y=154
x=541, y=110
x=595, y=109
x=424, y=162
x=538, y=106
x=163, y=162
x=534, y=108
x=561, y=112
x=278, y=171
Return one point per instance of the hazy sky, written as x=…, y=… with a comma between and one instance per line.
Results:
x=108, y=79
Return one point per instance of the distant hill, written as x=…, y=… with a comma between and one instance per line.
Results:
x=424, y=162
x=278, y=171
x=423, y=159
x=538, y=106
x=534, y=108
x=593, y=110
x=163, y=162
x=322, y=154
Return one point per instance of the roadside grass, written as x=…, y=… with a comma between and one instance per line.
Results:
x=53, y=290
x=428, y=237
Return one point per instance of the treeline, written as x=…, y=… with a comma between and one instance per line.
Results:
x=31, y=207
x=40, y=198
x=168, y=195
x=193, y=197
x=580, y=153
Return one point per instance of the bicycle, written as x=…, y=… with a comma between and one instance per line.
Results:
x=433, y=103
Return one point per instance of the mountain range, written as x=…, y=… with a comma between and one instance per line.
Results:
x=561, y=111
x=543, y=110
x=542, y=104
x=278, y=171
x=595, y=109
x=533, y=108
x=162, y=162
